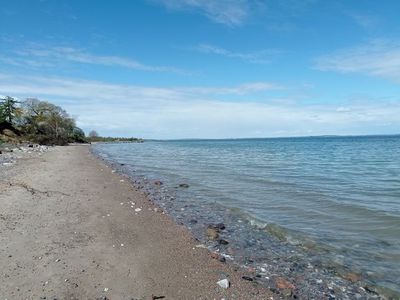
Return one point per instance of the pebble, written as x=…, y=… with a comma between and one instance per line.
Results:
x=224, y=283
x=282, y=283
x=138, y=209
x=212, y=233
x=247, y=278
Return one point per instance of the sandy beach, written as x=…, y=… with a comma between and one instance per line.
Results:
x=73, y=229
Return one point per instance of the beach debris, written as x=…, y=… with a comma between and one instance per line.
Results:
x=106, y=289
x=122, y=245
x=138, y=209
x=227, y=256
x=224, y=283
x=184, y=185
x=201, y=246
x=121, y=180
x=122, y=203
x=153, y=297
x=57, y=260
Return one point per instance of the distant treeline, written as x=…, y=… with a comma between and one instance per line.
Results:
x=101, y=139
x=41, y=122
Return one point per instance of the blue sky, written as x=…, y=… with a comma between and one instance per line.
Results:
x=208, y=68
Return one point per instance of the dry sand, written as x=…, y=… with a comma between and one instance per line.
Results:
x=68, y=231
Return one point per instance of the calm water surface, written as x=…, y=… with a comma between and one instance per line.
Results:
x=341, y=192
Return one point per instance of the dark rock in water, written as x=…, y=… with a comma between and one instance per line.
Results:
x=184, y=185
x=158, y=182
x=30, y=146
x=223, y=242
x=222, y=259
x=220, y=226
x=247, y=278
x=217, y=226
x=371, y=290
x=193, y=221
x=122, y=164
x=212, y=233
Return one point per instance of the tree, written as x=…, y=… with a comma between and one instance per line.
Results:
x=47, y=123
x=8, y=109
x=93, y=134
x=77, y=135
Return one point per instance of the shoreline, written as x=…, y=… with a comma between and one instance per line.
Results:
x=271, y=259
x=72, y=228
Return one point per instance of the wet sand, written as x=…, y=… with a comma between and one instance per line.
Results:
x=69, y=230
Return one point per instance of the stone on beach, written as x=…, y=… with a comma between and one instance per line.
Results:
x=212, y=233
x=224, y=283
x=282, y=283
x=352, y=277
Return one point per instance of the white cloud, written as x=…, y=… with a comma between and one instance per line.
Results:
x=40, y=56
x=259, y=57
x=379, y=58
x=182, y=112
x=228, y=12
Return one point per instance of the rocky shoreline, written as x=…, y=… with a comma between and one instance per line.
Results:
x=288, y=270
x=9, y=153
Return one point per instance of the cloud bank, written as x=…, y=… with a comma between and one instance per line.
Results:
x=195, y=112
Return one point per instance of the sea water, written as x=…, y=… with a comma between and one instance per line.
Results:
x=341, y=195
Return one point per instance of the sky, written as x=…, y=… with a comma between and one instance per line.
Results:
x=169, y=69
